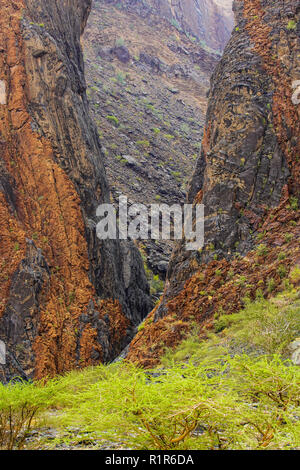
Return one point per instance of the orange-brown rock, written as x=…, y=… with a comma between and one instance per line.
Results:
x=55, y=273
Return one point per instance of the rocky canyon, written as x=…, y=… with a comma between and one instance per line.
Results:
x=141, y=344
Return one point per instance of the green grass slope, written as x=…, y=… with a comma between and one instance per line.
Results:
x=236, y=389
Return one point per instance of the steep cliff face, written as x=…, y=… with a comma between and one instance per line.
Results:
x=247, y=177
x=147, y=87
x=66, y=299
x=209, y=20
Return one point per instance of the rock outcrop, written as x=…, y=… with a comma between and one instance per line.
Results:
x=248, y=178
x=66, y=299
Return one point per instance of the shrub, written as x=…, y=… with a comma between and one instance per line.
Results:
x=262, y=250
x=175, y=23
x=291, y=25
x=266, y=325
x=156, y=285
x=20, y=404
x=271, y=285
x=121, y=77
x=295, y=275
x=114, y=120
x=294, y=203
x=120, y=42
x=288, y=237
x=169, y=136
x=281, y=256
x=282, y=271
x=143, y=143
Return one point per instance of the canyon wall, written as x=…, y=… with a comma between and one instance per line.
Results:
x=248, y=178
x=208, y=20
x=66, y=299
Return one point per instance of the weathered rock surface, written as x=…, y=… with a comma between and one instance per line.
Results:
x=66, y=299
x=208, y=20
x=247, y=177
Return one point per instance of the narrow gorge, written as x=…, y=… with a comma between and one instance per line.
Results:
x=138, y=343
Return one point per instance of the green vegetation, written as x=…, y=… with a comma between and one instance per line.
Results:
x=120, y=42
x=176, y=175
x=156, y=284
x=281, y=256
x=121, y=78
x=288, y=237
x=185, y=128
x=235, y=390
x=41, y=25
x=207, y=48
x=271, y=285
x=295, y=275
x=156, y=130
x=266, y=326
x=169, y=136
x=262, y=250
x=20, y=404
x=143, y=143
x=291, y=25
x=144, y=412
x=175, y=23
x=282, y=271
x=114, y=120
x=294, y=203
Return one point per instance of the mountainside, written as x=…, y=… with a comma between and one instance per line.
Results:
x=208, y=20
x=147, y=85
x=248, y=178
x=66, y=299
